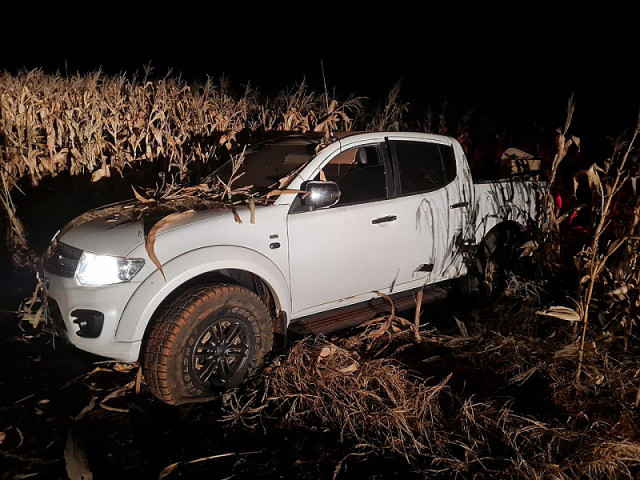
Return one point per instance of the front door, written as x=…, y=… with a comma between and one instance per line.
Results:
x=350, y=249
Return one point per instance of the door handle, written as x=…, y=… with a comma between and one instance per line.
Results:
x=459, y=205
x=388, y=218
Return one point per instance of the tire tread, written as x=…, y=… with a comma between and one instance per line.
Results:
x=163, y=335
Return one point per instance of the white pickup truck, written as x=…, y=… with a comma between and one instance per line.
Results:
x=385, y=212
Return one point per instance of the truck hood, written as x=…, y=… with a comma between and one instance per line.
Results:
x=116, y=230
x=105, y=235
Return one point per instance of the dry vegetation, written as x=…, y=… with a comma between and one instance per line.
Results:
x=502, y=404
x=101, y=126
x=558, y=352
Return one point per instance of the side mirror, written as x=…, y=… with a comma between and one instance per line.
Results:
x=320, y=194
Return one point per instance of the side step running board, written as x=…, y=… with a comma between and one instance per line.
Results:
x=352, y=315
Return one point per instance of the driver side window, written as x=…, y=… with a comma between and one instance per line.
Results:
x=360, y=174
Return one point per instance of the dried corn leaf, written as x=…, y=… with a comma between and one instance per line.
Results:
x=388, y=299
x=455, y=341
x=151, y=238
x=124, y=367
x=462, y=327
x=563, y=313
x=576, y=141
x=592, y=177
x=141, y=198
x=28, y=312
x=327, y=352
x=114, y=409
x=416, y=319
x=274, y=193
x=117, y=393
x=170, y=468
x=615, y=245
x=236, y=217
x=252, y=209
x=522, y=377
x=33, y=318
x=100, y=173
x=528, y=248
x=350, y=369
x=90, y=406
x=138, y=380
x=621, y=292
x=76, y=460
x=572, y=350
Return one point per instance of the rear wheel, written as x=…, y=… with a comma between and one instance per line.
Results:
x=209, y=339
x=496, y=258
x=499, y=258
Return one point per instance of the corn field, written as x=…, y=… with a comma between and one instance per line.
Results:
x=99, y=125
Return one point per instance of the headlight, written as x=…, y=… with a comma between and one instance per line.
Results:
x=94, y=270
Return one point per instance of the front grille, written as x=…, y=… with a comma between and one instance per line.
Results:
x=63, y=260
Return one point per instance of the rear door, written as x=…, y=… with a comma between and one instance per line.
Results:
x=350, y=249
x=434, y=210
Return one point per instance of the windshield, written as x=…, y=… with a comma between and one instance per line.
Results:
x=266, y=163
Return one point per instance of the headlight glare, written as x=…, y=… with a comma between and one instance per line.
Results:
x=94, y=270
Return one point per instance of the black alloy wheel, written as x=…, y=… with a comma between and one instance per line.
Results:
x=221, y=352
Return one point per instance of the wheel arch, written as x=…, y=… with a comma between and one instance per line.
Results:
x=235, y=265
x=491, y=224
x=472, y=283
x=506, y=226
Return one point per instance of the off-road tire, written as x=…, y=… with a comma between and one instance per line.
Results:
x=496, y=256
x=168, y=362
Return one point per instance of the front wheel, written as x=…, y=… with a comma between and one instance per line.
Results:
x=209, y=339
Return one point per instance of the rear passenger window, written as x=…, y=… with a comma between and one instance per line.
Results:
x=424, y=166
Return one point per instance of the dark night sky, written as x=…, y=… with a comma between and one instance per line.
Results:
x=513, y=70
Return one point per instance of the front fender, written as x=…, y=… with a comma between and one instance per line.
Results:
x=153, y=290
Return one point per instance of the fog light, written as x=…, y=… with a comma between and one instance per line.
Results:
x=89, y=321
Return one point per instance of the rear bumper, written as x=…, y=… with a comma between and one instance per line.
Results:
x=65, y=296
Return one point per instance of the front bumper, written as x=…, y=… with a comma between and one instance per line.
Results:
x=65, y=296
